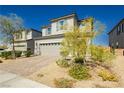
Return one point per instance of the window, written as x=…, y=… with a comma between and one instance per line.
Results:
x=118, y=30
x=28, y=32
x=49, y=30
x=120, y=27
x=117, y=44
x=61, y=25
x=123, y=27
x=18, y=36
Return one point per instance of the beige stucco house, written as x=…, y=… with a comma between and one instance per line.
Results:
x=53, y=34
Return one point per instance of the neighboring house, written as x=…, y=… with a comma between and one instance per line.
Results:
x=116, y=38
x=25, y=40
x=53, y=34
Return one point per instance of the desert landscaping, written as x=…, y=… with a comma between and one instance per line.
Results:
x=48, y=74
x=50, y=71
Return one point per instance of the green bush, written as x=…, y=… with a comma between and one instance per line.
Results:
x=79, y=60
x=6, y=54
x=62, y=63
x=101, y=54
x=79, y=72
x=18, y=53
x=63, y=83
x=107, y=75
x=27, y=53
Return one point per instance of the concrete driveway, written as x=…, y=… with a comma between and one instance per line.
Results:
x=13, y=73
x=9, y=80
x=26, y=66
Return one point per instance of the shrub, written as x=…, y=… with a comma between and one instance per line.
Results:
x=79, y=72
x=101, y=54
x=63, y=83
x=28, y=53
x=64, y=53
x=107, y=75
x=62, y=63
x=40, y=75
x=18, y=53
x=1, y=61
x=79, y=60
x=6, y=54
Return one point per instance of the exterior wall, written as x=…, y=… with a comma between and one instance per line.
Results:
x=119, y=52
x=116, y=40
x=21, y=46
x=29, y=35
x=30, y=45
x=70, y=24
x=54, y=31
x=44, y=31
x=45, y=41
x=36, y=34
x=22, y=36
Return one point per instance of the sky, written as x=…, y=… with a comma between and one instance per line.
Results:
x=35, y=16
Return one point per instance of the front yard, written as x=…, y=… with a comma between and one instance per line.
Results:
x=48, y=74
x=46, y=71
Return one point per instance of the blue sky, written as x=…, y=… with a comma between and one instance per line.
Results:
x=37, y=16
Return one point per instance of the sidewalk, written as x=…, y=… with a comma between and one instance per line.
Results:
x=9, y=80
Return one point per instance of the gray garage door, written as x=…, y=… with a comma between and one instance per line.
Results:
x=50, y=49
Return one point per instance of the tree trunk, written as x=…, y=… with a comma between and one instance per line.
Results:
x=13, y=49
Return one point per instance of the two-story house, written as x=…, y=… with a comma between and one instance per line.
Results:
x=25, y=40
x=116, y=38
x=53, y=34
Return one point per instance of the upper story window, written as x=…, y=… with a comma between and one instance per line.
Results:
x=118, y=30
x=62, y=25
x=48, y=31
x=123, y=27
x=28, y=33
x=18, y=36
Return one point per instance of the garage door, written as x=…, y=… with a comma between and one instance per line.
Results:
x=50, y=49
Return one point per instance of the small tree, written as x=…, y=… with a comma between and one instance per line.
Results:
x=78, y=40
x=9, y=27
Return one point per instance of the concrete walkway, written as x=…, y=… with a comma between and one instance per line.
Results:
x=9, y=80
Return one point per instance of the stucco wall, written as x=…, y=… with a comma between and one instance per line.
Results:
x=21, y=46
x=70, y=24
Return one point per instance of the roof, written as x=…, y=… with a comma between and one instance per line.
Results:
x=122, y=20
x=46, y=26
x=59, y=18
x=49, y=37
x=18, y=41
x=63, y=17
x=66, y=16
x=35, y=30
